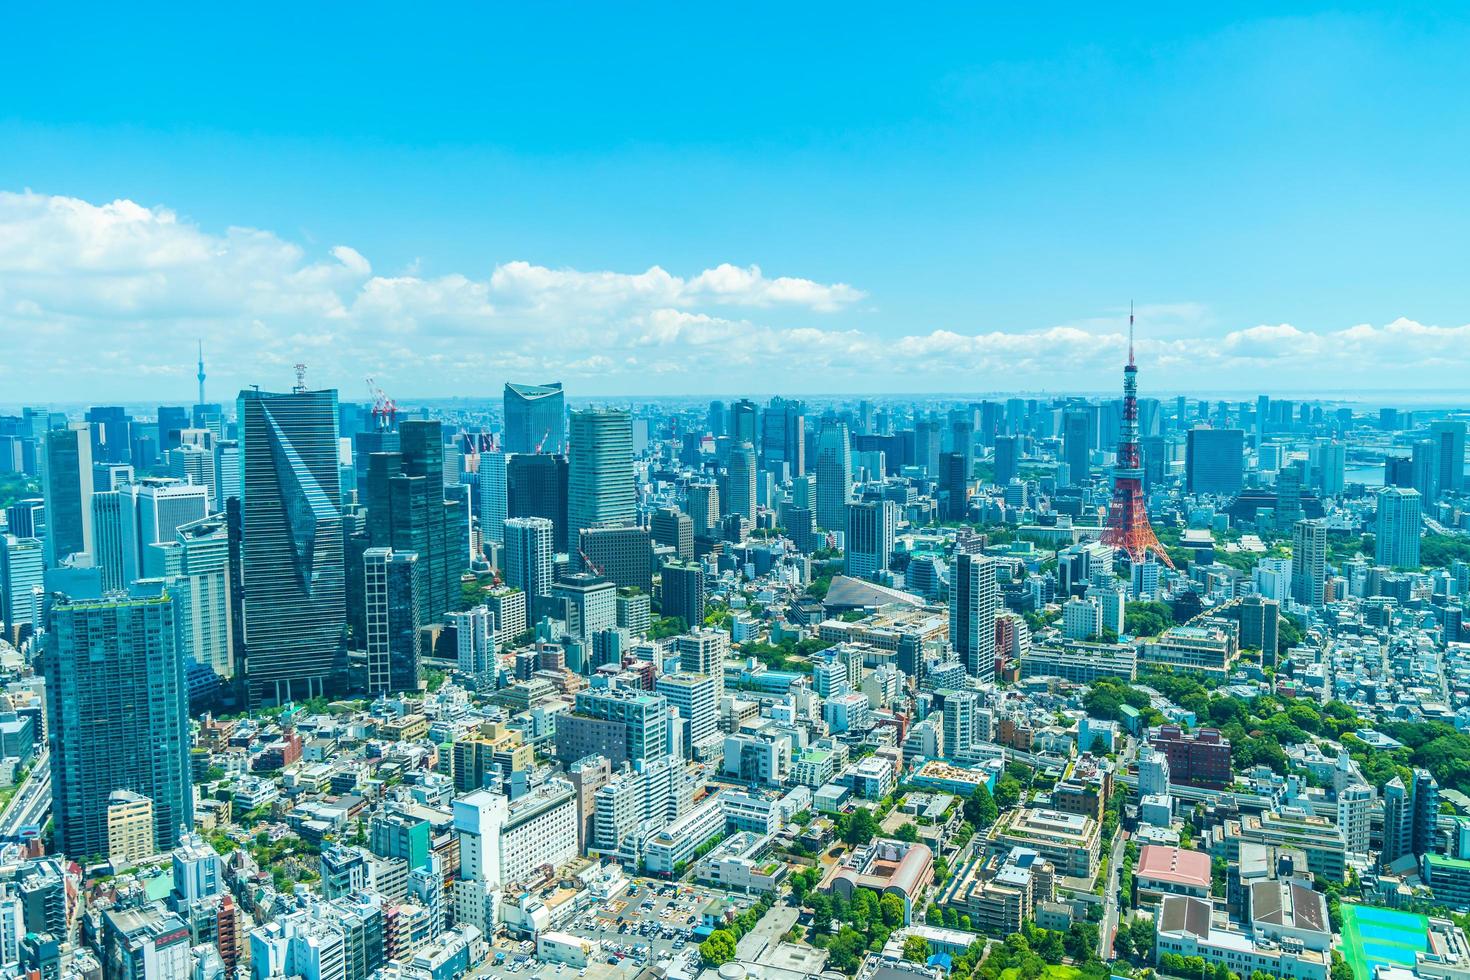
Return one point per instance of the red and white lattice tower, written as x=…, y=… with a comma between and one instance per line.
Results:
x=1128, y=527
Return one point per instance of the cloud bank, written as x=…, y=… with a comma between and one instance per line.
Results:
x=106, y=301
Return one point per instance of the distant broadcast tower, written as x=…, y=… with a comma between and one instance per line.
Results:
x=1128, y=527
x=201, y=373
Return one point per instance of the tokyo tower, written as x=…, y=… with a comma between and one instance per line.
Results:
x=1128, y=527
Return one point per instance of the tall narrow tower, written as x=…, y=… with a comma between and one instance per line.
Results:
x=1128, y=527
x=201, y=373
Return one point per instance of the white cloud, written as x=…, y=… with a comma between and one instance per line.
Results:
x=106, y=300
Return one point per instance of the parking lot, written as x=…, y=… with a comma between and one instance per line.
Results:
x=653, y=922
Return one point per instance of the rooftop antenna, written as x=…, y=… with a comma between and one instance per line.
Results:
x=1130, y=331
x=300, y=388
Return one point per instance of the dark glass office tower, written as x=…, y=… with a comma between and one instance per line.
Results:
x=117, y=707
x=66, y=478
x=291, y=543
x=535, y=418
x=407, y=511
x=536, y=486
x=600, y=485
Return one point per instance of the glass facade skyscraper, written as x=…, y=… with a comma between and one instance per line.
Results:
x=535, y=416
x=67, y=483
x=292, y=549
x=117, y=709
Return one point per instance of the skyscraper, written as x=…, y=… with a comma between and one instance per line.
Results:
x=66, y=479
x=1309, y=563
x=740, y=481
x=22, y=570
x=600, y=485
x=536, y=486
x=474, y=633
x=1425, y=468
x=1449, y=436
x=394, y=594
x=743, y=426
x=783, y=436
x=872, y=527
x=683, y=592
x=293, y=591
x=203, y=610
x=702, y=651
x=673, y=528
x=528, y=554
x=1397, y=528
x=494, y=495
x=408, y=511
x=535, y=418
x=1331, y=466
x=834, y=476
x=1214, y=460
x=117, y=708
x=704, y=506
x=1077, y=446
x=1289, y=494
x=1007, y=459
x=974, y=600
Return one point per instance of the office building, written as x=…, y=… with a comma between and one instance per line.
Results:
x=22, y=571
x=114, y=678
x=294, y=588
x=600, y=485
x=1449, y=438
x=1077, y=446
x=476, y=647
x=1309, y=564
x=1260, y=619
x=536, y=486
x=693, y=695
x=1397, y=528
x=1214, y=460
x=590, y=604
x=153, y=510
x=703, y=651
x=740, y=481
x=619, y=724
x=202, y=587
x=1007, y=459
x=673, y=528
x=528, y=554
x=535, y=418
x=394, y=595
x=974, y=600
x=783, y=437
x=66, y=480
x=623, y=555
x=683, y=592
x=872, y=528
x=834, y=476
x=494, y=495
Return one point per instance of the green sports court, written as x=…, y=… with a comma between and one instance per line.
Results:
x=1372, y=936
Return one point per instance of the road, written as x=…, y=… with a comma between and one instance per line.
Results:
x=32, y=802
x=1110, y=899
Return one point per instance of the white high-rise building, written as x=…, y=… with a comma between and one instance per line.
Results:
x=1081, y=618
x=703, y=651
x=974, y=600
x=694, y=697
x=1309, y=564
x=474, y=633
x=1355, y=816
x=502, y=843
x=1397, y=528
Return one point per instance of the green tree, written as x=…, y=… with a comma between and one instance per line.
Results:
x=908, y=832
x=891, y=907
x=861, y=827
x=1007, y=791
x=719, y=948
x=980, y=809
x=916, y=949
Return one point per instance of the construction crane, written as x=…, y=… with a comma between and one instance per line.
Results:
x=587, y=560
x=300, y=378
x=544, y=437
x=385, y=409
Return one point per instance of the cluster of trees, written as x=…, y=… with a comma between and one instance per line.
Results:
x=1438, y=550
x=1195, y=968
x=15, y=487
x=866, y=922
x=1147, y=618
x=786, y=655
x=719, y=948
x=1433, y=745
x=1134, y=940
x=1030, y=951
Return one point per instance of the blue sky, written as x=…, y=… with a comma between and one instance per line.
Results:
x=953, y=200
